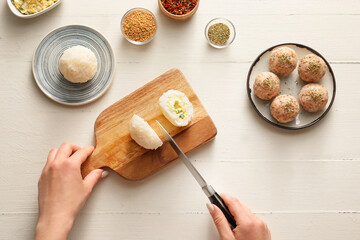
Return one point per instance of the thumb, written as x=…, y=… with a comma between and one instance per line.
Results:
x=220, y=221
x=92, y=178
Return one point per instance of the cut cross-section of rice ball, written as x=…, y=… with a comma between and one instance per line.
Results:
x=176, y=107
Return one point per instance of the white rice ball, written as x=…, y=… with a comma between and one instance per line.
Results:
x=176, y=107
x=78, y=64
x=143, y=134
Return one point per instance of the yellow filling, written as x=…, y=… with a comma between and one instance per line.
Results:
x=177, y=105
x=28, y=7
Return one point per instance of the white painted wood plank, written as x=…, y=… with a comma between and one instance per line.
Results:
x=263, y=186
x=337, y=39
x=191, y=226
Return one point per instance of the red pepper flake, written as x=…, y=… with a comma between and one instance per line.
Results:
x=179, y=7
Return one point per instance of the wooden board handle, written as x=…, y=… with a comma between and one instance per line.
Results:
x=94, y=161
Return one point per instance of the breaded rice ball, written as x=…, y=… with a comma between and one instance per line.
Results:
x=312, y=68
x=266, y=85
x=313, y=97
x=284, y=108
x=283, y=61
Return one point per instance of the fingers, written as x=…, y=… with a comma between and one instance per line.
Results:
x=92, y=178
x=66, y=150
x=221, y=222
x=240, y=212
x=82, y=154
x=51, y=155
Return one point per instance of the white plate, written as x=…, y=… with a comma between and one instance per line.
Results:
x=16, y=12
x=292, y=85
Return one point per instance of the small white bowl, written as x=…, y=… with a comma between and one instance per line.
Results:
x=16, y=12
x=226, y=22
x=126, y=37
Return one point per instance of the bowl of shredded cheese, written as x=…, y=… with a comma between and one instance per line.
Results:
x=31, y=8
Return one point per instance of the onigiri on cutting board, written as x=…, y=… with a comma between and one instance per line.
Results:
x=117, y=150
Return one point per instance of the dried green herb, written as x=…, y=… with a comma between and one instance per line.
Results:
x=289, y=106
x=284, y=59
x=219, y=34
x=268, y=83
x=314, y=66
x=315, y=95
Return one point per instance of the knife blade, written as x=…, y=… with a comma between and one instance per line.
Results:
x=209, y=191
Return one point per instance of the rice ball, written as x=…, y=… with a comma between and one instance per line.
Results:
x=78, y=64
x=143, y=134
x=283, y=60
x=284, y=108
x=266, y=85
x=176, y=107
x=313, y=97
x=312, y=68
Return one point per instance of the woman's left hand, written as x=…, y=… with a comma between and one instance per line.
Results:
x=62, y=191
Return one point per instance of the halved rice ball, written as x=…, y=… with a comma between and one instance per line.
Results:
x=143, y=134
x=176, y=107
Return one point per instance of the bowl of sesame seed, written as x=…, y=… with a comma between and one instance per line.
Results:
x=138, y=25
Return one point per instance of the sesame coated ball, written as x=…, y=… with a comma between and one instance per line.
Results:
x=266, y=85
x=284, y=108
x=312, y=68
x=313, y=97
x=283, y=61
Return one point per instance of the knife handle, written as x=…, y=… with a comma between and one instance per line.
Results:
x=219, y=202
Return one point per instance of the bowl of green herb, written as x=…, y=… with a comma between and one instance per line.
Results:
x=220, y=32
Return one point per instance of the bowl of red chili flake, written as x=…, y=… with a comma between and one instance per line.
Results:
x=179, y=9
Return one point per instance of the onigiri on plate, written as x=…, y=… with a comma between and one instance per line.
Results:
x=78, y=64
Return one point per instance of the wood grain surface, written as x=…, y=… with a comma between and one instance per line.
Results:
x=117, y=150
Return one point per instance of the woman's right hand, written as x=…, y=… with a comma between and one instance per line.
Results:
x=249, y=226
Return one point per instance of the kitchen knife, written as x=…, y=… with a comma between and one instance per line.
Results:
x=213, y=196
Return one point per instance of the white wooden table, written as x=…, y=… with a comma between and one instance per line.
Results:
x=304, y=184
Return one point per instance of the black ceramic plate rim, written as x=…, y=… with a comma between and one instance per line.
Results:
x=275, y=123
x=84, y=102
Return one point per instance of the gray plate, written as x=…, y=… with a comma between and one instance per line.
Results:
x=292, y=85
x=46, y=65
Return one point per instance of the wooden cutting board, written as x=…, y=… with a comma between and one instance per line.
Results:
x=116, y=149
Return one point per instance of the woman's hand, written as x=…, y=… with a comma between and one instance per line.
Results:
x=62, y=191
x=249, y=226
